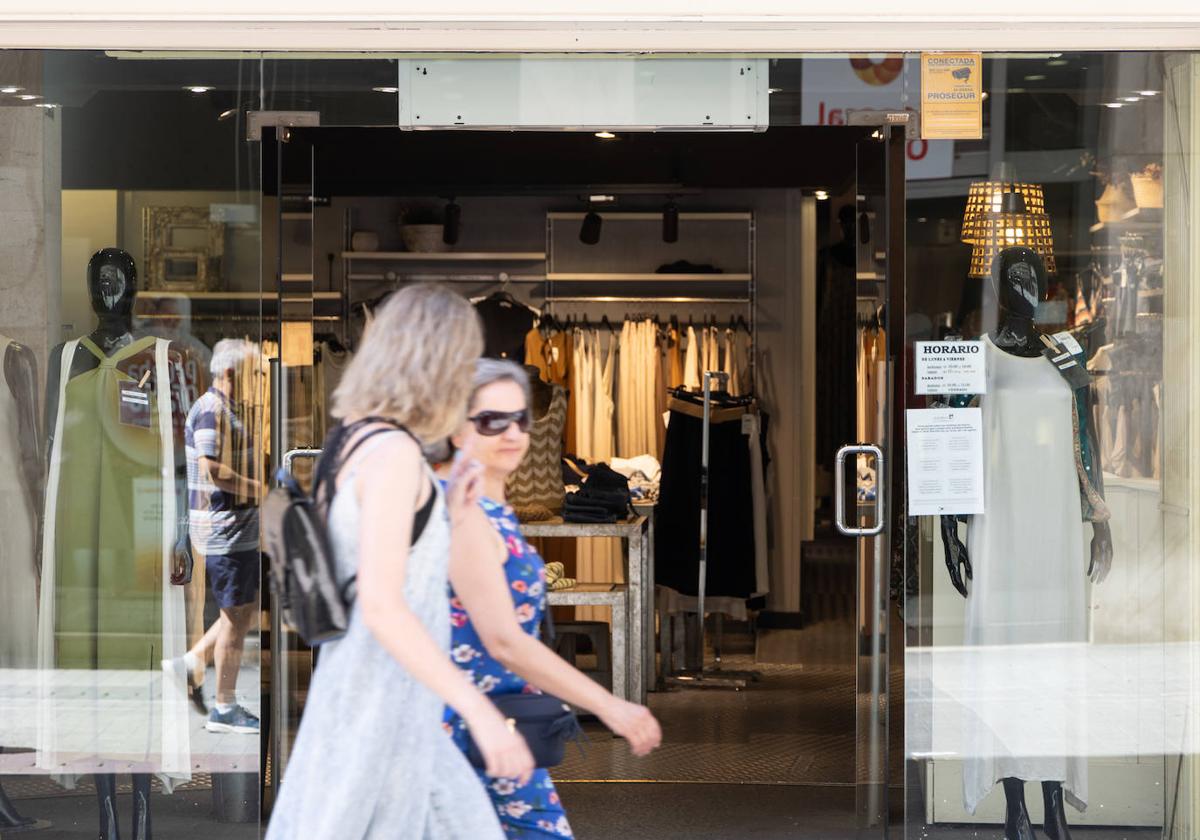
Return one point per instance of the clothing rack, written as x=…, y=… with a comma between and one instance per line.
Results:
x=713, y=677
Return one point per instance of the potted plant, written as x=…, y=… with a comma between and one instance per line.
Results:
x=1148, y=186
x=421, y=230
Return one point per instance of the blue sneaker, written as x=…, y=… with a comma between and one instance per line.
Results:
x=237, y=719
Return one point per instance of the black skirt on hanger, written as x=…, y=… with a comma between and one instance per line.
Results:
x=731, y=570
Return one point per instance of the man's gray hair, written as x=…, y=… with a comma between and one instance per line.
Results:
x=489, y=371
x=228, y=355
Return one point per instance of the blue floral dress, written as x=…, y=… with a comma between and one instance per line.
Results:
x=533, y=810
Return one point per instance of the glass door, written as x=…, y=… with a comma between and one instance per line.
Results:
x=862, y=503
x=289, y=204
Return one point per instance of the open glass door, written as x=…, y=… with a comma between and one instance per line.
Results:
x=862, y=504
x=288, y=205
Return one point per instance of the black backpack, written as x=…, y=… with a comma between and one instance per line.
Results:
x=296, y=537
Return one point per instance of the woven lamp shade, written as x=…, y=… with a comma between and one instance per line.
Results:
x=1004, y=213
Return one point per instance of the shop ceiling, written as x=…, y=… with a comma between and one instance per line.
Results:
x=389, y=161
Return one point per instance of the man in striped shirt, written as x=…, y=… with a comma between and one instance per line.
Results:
x=224, y=526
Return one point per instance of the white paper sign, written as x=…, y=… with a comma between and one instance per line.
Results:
x=950, y=367
x=945, y=461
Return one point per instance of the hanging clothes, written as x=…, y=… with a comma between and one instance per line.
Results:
x=691, y=361
x=535, y=353
x=18, y=554
x=597, y=560
x=732, y=567
x=1029, y=586
x=109, y=614
x=506, y=322
x=637, y=432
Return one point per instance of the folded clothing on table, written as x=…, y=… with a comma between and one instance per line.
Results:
x=604, y=497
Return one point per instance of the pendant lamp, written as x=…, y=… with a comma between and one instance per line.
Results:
x=1002, y=212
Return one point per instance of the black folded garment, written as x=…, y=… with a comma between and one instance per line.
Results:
x=576, y=512
x=604, y=497
x=615, y=500
x=604, y=477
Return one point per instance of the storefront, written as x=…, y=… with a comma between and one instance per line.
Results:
x=745, y=205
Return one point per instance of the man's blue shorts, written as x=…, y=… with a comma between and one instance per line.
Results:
x=233, y=577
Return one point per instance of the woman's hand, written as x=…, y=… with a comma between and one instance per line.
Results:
x=634, y=723
x=464, y=485
x=505, y=753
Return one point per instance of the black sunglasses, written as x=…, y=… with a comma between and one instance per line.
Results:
x=491, y=423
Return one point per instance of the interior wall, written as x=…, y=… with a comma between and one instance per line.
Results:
x=519, y=224
x=90, y=221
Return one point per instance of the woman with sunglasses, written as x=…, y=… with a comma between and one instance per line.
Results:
x=499, y=597
x=371, y=759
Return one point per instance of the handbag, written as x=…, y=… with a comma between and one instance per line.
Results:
x=544, y=721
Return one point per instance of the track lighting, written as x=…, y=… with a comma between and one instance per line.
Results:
x=589, y=231
x=450, y=223
x=670, y=231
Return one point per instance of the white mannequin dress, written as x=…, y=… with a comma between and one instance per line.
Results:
x=1027, y=608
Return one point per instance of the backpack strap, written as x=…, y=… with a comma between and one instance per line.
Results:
x=334, y=458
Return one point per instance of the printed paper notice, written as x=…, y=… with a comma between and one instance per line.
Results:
x=949, y=367
x=952, y=96
x=945, y=461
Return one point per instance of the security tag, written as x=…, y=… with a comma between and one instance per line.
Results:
x=134, y=404
x=1067, y=363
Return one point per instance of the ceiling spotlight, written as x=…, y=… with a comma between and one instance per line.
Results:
x=1131, y=99
x=1036, y=77
x=11, y=89
x=606, y=135
x=1113, y=105
x=226, y=114
x=45, y=105
x=589, y=231
x=199, y=88
x=670, y=231
x=774, y=90
x=821, y=195
x=1148, y=93
x=386, y=89
x=1057, y=62
x=450, y=223
x=28, y=97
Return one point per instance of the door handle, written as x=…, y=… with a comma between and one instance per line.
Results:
x=839, y=490
x=291, y=455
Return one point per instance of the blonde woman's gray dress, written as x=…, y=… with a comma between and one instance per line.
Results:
x=371, y=759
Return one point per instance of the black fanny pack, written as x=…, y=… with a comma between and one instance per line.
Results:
x=544, y=721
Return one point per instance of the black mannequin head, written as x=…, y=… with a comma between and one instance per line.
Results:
x=1019, y=278
x=112, y=283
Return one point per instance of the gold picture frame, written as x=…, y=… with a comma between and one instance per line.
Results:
x=184, y=249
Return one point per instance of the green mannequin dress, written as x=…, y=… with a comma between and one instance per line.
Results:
x=110, y=614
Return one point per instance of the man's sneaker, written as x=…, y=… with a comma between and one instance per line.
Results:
x=237, y=719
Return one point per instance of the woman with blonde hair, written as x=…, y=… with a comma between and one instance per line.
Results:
x=371, y=759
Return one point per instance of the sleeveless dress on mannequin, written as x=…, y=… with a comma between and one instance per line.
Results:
x=371, y=759
x=109, y=613
x=1027, y=606
x=18, y=577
